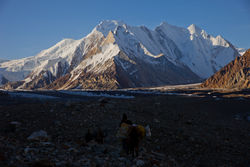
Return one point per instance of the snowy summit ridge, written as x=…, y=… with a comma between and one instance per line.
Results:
x=108, y=25
x=117, y=55
x=194, y=29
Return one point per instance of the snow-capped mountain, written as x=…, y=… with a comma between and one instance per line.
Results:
x=241, y=51
x=116, y=55
x=203, y=53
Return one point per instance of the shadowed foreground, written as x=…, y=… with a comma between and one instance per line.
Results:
x=186, y=131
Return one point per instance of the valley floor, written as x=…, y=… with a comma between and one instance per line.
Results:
x=190, y=127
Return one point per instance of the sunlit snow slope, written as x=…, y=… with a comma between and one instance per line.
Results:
x=116, y=55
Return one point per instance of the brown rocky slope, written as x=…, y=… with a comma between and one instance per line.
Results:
x=234, y=75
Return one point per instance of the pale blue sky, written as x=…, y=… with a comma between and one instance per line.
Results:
x=29, y=26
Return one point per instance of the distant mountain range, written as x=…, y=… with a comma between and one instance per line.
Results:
x=234, y=75
x=116, y=55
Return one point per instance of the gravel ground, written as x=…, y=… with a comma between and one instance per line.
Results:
x=186, y=130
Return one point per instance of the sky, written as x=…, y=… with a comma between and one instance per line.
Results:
x=29, y=26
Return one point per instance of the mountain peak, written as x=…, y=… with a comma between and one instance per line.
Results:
x=164, y=23
x=194, y=29
x=110, y=22
x=169, y=28
x=108, y=25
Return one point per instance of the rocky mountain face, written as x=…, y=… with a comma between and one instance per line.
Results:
x=116, y=55
x=234, y=75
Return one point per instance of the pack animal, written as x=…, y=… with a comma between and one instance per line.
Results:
x=131, y=136
x=125, y=120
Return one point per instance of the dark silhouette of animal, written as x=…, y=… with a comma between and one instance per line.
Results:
x=125, y=120
x=131, y=136
x=132, y=142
